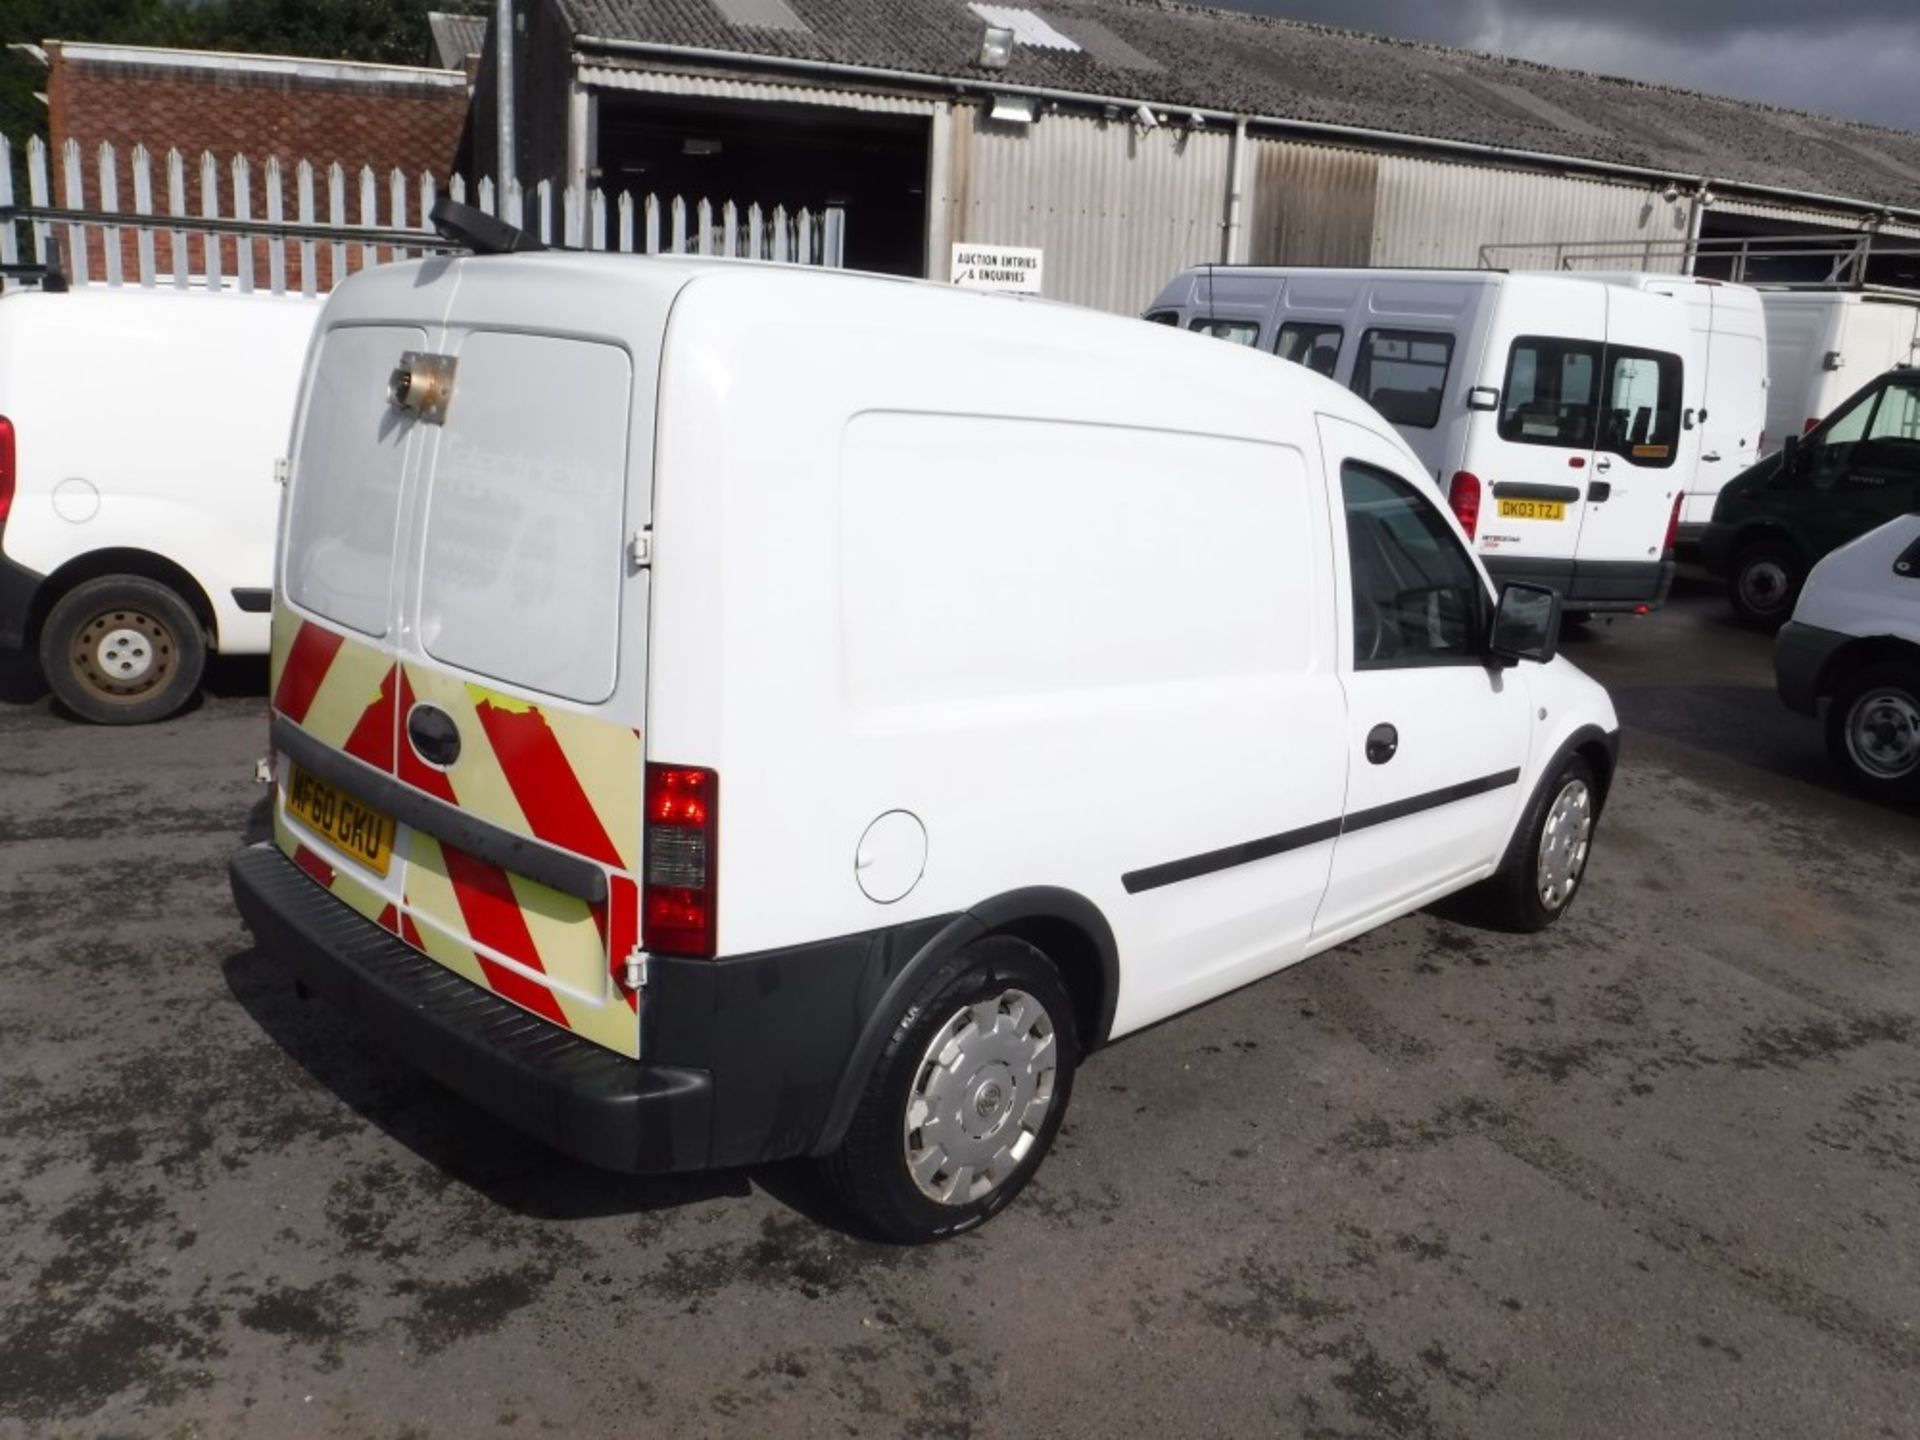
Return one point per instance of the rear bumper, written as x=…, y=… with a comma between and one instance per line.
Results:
x=1596, y=585
x=745, y=1055
x=18, y=588
x=583, y=1100
x=1800, y=657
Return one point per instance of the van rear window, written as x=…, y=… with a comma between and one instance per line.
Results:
x=1403, y=373
x=344, y=510
x=525, y=545
x=1551, y=394
x=1640, y=411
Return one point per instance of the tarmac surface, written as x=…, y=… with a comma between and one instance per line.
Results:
x=1654, y=1173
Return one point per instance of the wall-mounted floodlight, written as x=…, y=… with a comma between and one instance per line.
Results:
x=1014, y=109
x=1146, y=117
x=996, y=47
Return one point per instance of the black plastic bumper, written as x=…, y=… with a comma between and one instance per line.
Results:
x=1800, y=657
x=1590, y=585
x=576, y=1096
x=1716, y=547
x=18, y=587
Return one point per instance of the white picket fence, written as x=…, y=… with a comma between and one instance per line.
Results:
x=302, y=228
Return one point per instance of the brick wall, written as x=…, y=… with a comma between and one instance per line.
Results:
x=384, y=117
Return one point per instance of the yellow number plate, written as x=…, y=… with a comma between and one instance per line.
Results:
x=1533, y=510
x=350, y=827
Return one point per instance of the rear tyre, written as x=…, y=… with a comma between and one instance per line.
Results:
x=1547, y=858
x=966, y=1098
x=122, y=650
x=1765, y=582
x=1873, y=729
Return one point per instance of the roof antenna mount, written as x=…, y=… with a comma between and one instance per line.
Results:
x=480, y=232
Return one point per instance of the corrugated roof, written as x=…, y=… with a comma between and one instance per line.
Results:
x=455, y=37
x=1261, y=66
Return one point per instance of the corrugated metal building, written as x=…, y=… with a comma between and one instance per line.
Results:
x=1125, y=140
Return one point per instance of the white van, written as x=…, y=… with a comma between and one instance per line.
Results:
x=725, y=712
x=139, y=433
x=1851, y=655
x=1558, y=413
x=1823, y=345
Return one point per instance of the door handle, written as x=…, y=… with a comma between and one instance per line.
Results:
x=1383, y=743
x=1712, y=458
x=1603, y=464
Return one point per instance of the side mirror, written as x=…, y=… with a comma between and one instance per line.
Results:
x=1790, y=453
x=1483, y=397
x=1526, y=625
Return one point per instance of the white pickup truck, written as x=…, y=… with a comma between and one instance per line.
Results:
x=139, y=432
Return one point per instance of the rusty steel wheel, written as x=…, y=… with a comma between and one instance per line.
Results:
x=122, y=650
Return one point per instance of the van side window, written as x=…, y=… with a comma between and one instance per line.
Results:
x=1403, y=373
x=1826, y=453
x=1164, y=317
x=1237, y=332
x=1417, y=600
x=1640, y=411
x=1551, y=392
x=1315, y=346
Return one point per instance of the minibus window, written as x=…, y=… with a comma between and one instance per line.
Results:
x=1236, y=332
x=1417, y=599
x=1315, y=346
x=1551, y=392
x=1640, y=412
x=1403, y=373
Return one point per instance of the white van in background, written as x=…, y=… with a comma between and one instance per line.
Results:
x=1823, y=345
x=1559, y=414
x=139, y=432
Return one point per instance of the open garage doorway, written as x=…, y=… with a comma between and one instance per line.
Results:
x=874, y=167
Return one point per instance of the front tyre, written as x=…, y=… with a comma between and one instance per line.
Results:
x=1765, y=583
x=1873, y=730
x=122, y=650
x=965, y=1099
x=1546, y=860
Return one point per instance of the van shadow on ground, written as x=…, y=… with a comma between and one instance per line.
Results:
x=467, y=1144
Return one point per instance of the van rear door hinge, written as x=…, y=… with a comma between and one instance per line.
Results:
x=635, y=976
x=282, y=468
x=640, y=550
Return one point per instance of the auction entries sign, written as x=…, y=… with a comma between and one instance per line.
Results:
x=997, y=267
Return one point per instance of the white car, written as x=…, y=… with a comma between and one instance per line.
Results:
x=1851, y=653
x=726, y=712
x=139, y=434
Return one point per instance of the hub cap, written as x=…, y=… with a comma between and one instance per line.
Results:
x=1764, y=585
x=1883, y=734
x=980, y=1098
x=1563, y=844
x=123, y=654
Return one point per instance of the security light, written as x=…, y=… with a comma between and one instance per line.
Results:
x=1014, y=109
x=996, y=47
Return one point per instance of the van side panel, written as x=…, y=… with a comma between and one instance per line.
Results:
x=1063, y=605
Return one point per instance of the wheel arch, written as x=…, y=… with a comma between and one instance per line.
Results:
x=1064, y=925
x=143, y=564
x=1857, y=655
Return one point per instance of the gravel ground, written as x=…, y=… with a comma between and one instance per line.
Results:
x=1655, y=1173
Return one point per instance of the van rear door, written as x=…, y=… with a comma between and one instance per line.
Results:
x=463, y=624
x=1533, y=456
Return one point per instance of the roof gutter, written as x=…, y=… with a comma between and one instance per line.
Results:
x=1318, y=129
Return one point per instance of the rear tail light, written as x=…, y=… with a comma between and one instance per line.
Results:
x=677, y=903
x=1464, y=496
x=1673, y=521
x=8, y=465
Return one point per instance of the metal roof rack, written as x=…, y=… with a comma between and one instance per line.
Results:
x=1847, y=259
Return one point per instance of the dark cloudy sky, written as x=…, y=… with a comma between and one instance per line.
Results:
x=1857, y=58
